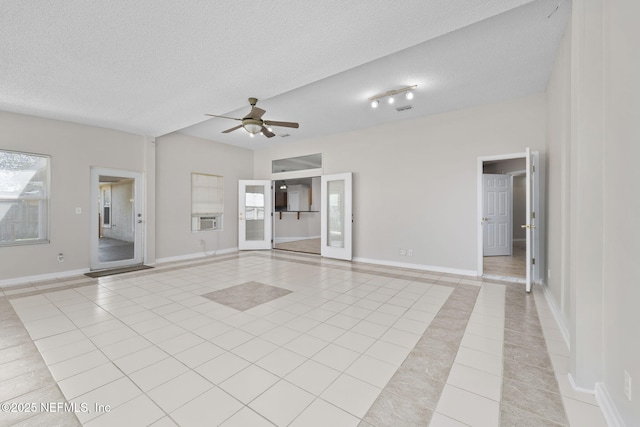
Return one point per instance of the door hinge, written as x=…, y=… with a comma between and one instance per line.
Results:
x=533, y=215
x=533, y=261
x=533, y=168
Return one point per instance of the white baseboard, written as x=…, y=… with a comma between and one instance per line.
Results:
x=577, y=387
x=196, y=255
x=557, y=314
x=608, y=408
x=293, y=239
x=418, y=266
x=6, y=283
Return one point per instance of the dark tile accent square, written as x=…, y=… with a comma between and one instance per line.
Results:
x=247, y=295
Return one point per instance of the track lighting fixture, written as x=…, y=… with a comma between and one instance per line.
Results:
x=408, y=93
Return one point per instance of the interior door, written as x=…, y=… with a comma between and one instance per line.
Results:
x=254, y=210
x=496, y=218
x=117, y=197
x=532, y=210
x=336, y=212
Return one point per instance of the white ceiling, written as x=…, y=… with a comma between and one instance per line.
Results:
x=154, y=67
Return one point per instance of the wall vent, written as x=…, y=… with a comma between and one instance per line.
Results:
x=404, y=108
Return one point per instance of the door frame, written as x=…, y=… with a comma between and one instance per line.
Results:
x=138, y=220
x=536, y=201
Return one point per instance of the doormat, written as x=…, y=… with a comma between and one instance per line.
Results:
x=103, y=273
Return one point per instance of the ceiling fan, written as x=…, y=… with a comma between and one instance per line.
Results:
x=253, y=122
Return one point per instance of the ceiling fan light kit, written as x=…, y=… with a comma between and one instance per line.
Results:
x=390, y=95
x=254, y=124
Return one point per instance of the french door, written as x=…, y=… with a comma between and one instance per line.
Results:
x=532, y=215
x=336, y=214
x=255, y=225
x=254, y=214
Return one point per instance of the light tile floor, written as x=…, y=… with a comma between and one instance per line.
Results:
x=352, y=344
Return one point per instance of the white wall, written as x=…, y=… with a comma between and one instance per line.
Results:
x=290, y=228
x=593, y=105
x=621, y=277
x=177, y=156
x=415, y=181
x=73, y=149
x=122, y=227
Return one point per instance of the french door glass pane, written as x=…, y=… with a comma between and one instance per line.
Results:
x=335, y=215
x=254, y=212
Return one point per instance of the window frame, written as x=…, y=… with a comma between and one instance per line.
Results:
x=44, y=214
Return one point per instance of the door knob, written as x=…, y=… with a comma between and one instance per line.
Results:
x=484, y=218
x=527, y=226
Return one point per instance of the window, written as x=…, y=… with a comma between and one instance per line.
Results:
x=207, y=202
x=292, y=164
x=24, y=198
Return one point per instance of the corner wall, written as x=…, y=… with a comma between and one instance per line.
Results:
x=177, y=156
x=73, y=148
x=415, y=181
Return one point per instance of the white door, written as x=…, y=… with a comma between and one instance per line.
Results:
x=116, y=218
x=496, y=217
x=532, y=210
x=336, y=216
x=254, y=210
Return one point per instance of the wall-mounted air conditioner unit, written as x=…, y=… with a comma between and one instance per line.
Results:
x=208, y=222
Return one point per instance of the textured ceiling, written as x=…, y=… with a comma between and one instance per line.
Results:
x=156, y=66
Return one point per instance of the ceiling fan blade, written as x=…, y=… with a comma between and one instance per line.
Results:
x=223, y=117
x=255, y=113
x=232, y=129
x=266, y=132
x=282, y=124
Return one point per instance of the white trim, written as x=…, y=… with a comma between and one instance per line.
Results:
x=607, y=406
x=417, y=266
x=293, y=239
x=194, y=256
x=557, y=314
x=25, y=280
x=578, y=388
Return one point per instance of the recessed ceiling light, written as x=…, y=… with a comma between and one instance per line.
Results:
x=375, y=103
x=391, y=100
x=409, y=95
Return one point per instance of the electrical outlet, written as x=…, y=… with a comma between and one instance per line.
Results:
x=403, y=252
x=627, y=385
x=410, y=252
x=78, y=211
x=60, y=257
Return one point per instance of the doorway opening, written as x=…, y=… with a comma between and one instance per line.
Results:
x=296, y=218
x=116, y=226
x=495, y=213
x=504, y=207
